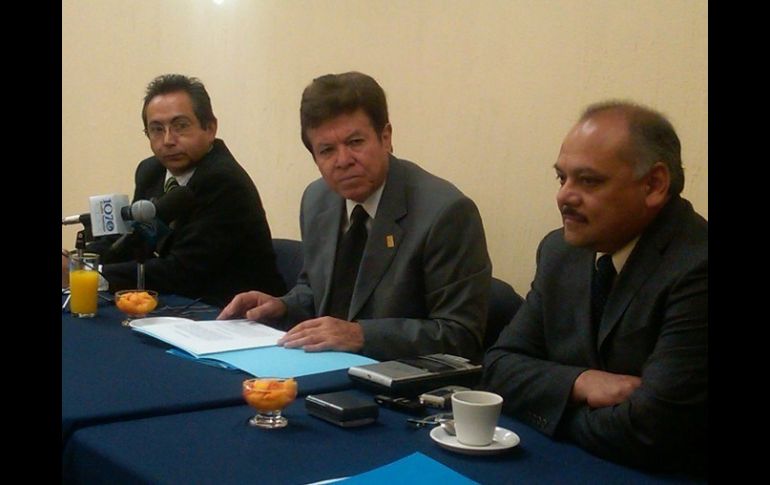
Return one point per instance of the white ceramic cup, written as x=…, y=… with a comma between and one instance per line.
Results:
x=476, y=414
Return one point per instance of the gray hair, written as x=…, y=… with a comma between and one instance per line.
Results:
x=652, y=139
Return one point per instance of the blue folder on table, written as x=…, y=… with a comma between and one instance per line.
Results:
x=277, y=361
x=415, y=469
x=242, y=344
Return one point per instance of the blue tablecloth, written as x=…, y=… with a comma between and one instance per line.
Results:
x=111, y=373
x=217, y=446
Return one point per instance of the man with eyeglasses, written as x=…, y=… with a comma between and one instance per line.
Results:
x=223, y=246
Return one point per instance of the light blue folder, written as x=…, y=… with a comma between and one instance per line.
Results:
x=417, y=469
x=277, y=361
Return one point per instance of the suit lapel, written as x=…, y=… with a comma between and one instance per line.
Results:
x=642, y=263
x=581, y=289
x=156, y=192
x=384, y=239
x=157, y=188
x=325, y=245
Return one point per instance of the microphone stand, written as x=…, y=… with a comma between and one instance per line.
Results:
x=83, y=237
x=140, y=275
x=142, y=251
x=141, y=256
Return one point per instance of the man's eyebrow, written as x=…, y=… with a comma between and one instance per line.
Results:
x=580, y=171
x=588, y=170
x=175, y=118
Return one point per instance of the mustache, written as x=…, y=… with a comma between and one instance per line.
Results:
x=570, y=211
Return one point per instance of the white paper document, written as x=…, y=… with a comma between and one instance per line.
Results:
x=210, y=336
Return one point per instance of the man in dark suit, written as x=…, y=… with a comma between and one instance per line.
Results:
x=423, y=279
x=629, y=381
x=222, y=245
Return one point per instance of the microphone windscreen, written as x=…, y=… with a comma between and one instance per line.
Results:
x=143, y=211
x=176, y=203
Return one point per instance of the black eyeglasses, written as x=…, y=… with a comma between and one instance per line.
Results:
x=178, y=127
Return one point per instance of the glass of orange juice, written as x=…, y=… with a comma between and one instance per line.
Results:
x=269, y=395
x=84, y=284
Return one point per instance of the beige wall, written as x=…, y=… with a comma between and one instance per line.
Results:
x=480, y=92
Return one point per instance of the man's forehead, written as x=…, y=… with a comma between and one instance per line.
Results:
x=588, y=127
x=342, y=126
x=600, y=135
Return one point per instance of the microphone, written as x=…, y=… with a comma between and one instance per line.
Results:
x=152, y=218
x=105, y=214
x=84, y=219
x=176, y=203
x=167, y=208
x=141, y=211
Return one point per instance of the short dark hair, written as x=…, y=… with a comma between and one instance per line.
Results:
x=171, y=83
x=652, y=139
x=331, y=95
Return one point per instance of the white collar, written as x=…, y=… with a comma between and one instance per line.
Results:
x=181, y=179
x=370, y=204
x=620, y=256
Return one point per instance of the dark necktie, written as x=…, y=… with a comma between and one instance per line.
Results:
x=346, y=263
x=601, y=284
x=165, y=233
x=170, y=184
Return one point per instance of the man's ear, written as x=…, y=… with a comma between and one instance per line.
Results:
x=387, y=137
x=656, y=184
x=212, y=128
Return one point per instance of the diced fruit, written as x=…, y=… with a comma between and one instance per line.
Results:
x=269, y=394
x=136, y=302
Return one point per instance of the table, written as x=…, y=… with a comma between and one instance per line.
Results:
x=110, y=373
x=217, y=446
x=133, y=413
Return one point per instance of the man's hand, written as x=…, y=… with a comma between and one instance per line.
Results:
x=253, y=305
x=601, y=389
x=325, y=333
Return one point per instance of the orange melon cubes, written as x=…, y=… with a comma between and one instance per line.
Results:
x=269, y=394
x=136, y=302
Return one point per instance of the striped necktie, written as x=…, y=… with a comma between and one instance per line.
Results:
x=170, y=184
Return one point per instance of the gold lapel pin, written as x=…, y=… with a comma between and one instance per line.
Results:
x=389, y=241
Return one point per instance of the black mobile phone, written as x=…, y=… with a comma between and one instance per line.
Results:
x=342, y=408
x=410, y=406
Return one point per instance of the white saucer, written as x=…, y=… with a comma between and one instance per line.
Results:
x=143, y=322
x=503, y=440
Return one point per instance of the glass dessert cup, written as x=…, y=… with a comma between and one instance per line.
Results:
x=269, y=395
x=135, y=303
